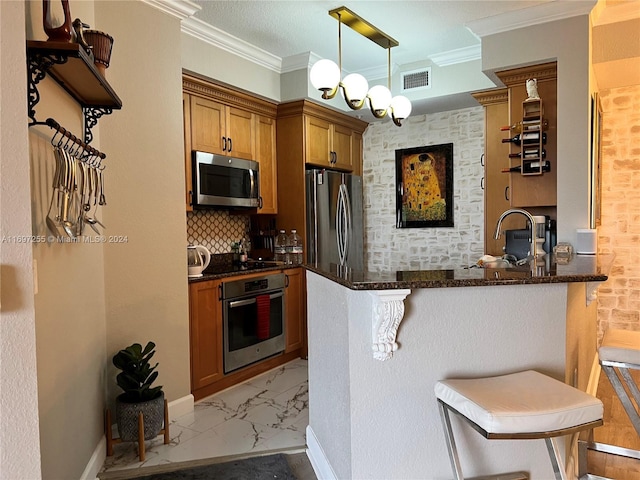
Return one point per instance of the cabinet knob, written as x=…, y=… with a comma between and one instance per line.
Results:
x=224, y=144
x=230, y=145
x=506, y=193
x=482, y=160
x=482, y=183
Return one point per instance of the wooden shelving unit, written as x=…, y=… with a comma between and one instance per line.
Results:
x=72, y=68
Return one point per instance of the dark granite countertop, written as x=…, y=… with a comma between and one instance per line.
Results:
x=579, y=268
x=218, y=272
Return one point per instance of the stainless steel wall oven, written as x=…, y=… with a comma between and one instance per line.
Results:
x=253, y=319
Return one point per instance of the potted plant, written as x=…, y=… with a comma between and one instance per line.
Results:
x=136, y=379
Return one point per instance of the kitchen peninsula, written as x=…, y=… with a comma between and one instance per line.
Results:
x=378, y=343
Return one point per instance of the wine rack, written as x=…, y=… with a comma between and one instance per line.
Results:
x=528, y=145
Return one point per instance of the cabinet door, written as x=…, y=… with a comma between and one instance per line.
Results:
x=356, y=156
x=318, y=142
x=240, y=136
x=186, y=124
x=496, y=183
x=207, y=125
x=205, y=334
x=295, y=310
x=343, y=148
x=266, y=148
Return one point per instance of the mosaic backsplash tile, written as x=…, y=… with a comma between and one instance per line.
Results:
x=216, y=229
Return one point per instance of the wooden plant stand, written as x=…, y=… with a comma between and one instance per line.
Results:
x=141, y=450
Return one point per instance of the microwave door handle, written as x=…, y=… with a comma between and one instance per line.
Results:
x=253, y=182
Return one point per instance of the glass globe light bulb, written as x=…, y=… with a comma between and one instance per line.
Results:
x=400, y=108
x=325, y=75
x=355, y=88
x=379, y=100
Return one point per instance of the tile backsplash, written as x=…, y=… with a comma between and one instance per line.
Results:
x=216, y=229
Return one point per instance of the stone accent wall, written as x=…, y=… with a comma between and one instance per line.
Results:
x=390, y=248
x=619, y=232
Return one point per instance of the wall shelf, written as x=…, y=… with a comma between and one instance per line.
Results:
x=73, y=69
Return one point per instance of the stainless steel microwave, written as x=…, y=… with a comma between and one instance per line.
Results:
x=220, y=181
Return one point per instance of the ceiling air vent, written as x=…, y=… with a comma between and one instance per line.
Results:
x=416, y=79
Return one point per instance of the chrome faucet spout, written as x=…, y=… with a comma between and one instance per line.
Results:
x=532, y=226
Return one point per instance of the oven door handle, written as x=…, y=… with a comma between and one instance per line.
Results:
x=249, y=301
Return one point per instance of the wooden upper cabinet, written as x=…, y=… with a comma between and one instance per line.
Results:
x=343, y=148
x=208, y=127
x=318, y=141
x=240, y=135
x=330, y=144
x=218, y=128
x=266, y=156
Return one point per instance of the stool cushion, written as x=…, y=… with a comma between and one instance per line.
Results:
x=523, y=402
x=620, y=346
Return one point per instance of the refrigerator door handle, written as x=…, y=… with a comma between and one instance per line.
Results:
x=343, y=223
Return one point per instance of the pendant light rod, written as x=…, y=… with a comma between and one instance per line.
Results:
x=364, y=28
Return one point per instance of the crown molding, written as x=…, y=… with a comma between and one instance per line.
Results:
x=459, y=55
x=526, y=17
x=227, y=42
x=178, y=8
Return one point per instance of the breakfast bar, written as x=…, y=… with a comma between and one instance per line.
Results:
x=379, y=342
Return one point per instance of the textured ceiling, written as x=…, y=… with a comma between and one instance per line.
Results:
x=287, y=28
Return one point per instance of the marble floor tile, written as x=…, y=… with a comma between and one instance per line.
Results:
x=267, y=412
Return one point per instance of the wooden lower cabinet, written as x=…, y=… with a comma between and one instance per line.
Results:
x=295, y=318
x=206, y=335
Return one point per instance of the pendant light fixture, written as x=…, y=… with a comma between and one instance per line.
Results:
x=325, y=75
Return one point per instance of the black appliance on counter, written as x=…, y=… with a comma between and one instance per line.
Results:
x=518, y=242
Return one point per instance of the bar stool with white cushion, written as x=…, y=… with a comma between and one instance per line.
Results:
x=620, y=350
x=522, y=405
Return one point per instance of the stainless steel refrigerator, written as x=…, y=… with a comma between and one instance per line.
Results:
x=335, y=232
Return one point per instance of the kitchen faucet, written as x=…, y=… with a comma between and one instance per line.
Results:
x=532, y=226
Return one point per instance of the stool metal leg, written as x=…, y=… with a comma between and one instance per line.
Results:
x=621, y=393
x=556, y=459
x=451, y=443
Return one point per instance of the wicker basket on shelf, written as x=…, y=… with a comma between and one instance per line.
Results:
x=102, y=44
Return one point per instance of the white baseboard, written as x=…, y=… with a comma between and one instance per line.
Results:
x=180, y=407
x=96, y=461
x=318, y=459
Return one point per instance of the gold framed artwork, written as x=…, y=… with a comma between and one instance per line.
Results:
x=424, y=186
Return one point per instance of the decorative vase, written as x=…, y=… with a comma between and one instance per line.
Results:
x=60, y=33
x=102, y=44
x=127, y=418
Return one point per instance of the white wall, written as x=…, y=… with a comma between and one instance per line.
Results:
x=19, y=436
x=70, y=316
x=388, y=410
x=146, y=290
x=390, y=248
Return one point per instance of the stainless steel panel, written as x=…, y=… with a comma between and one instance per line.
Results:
x=323, y=192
